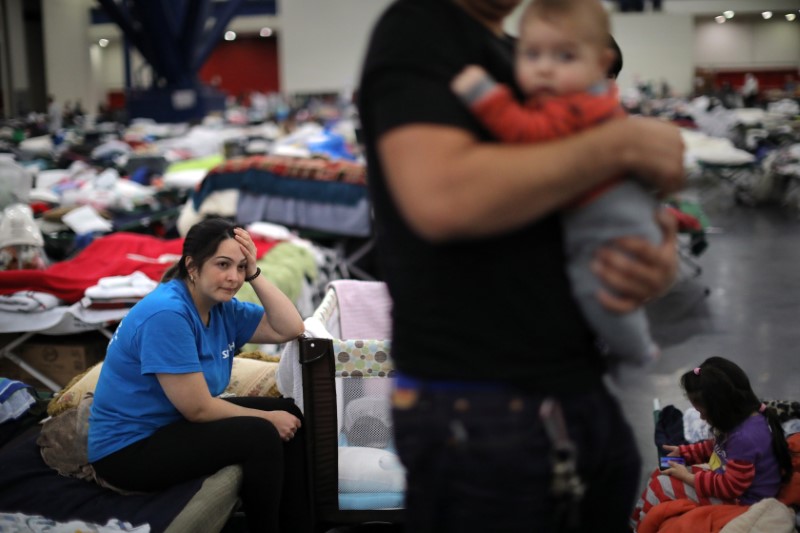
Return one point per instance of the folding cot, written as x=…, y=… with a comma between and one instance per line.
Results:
x=60, y=320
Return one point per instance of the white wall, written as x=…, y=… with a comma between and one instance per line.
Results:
x=656, y=46
x=66, y=51
x=108, y=68
x=323, y=43
x=748, y=43
x=739, y=6
x=16, y=38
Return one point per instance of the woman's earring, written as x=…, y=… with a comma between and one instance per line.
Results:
x=191, y=278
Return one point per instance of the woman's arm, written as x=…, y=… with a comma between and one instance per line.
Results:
x=190, y=396
x=281, y=321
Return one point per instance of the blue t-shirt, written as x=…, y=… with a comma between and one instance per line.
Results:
x=162, y=334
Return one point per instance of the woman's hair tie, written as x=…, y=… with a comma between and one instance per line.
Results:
x=696, y=371
x=762, y=408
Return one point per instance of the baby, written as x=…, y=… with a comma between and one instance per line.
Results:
x=562, y=60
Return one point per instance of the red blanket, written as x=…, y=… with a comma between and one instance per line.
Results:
x=117, y=254
x=686, y=516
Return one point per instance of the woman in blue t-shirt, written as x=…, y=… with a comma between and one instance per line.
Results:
x=157, y=418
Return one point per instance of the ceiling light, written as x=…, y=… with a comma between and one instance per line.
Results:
x=265, y=32
x=103, y=43
x=767, y=14
x=720, y=19
x=790, y=16
x=728, y=14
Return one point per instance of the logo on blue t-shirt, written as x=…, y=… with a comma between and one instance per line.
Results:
x=227, y=353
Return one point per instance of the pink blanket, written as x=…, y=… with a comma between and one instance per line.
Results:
x=365, y=309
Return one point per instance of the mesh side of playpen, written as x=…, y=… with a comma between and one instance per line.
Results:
x=355, y=474
x=370, y=475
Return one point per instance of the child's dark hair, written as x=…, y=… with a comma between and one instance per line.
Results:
x=200, y=244
x=724, y=392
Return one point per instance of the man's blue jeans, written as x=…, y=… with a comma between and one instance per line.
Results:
x=478, y=459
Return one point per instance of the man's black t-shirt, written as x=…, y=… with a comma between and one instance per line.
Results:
x=497, y=308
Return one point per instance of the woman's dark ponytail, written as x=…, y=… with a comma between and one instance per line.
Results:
x=171, y=272
x=779, y=444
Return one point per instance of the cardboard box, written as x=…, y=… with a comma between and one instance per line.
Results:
x=60, y=358
x=10, y=370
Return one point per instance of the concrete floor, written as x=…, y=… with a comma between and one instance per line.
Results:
x=751, y=314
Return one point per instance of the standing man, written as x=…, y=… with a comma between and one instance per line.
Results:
x=54, y=116
x=469, y=242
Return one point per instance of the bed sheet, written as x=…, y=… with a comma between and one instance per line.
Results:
x=29, y=486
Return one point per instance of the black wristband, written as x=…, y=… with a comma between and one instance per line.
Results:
x=254, y=276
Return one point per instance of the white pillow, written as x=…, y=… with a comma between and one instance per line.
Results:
x=370, y=470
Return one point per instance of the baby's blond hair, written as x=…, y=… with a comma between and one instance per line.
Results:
x=585, y=17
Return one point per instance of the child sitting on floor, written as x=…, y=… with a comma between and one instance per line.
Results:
x=748, y=457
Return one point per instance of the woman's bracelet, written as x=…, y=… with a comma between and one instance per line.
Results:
x=254, y=276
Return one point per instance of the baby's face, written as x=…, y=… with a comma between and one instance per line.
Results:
x=550, y=60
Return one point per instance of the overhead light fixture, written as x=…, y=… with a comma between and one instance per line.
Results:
x=720, y=19
x=790, y=16
x=103, y=43
x=230, y=35
x=265, y=32
x=728, y=14
x=767, y=15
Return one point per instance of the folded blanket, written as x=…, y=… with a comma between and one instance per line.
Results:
x=365, y=309
x=136, y=284
x=28, y=301
x=16, y=399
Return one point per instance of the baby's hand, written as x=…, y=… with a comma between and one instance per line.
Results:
x=467, y=79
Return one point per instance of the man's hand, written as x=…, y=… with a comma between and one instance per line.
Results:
x=654, y=153
x=635, y=271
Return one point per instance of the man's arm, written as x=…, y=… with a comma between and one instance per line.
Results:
x=448, y=185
